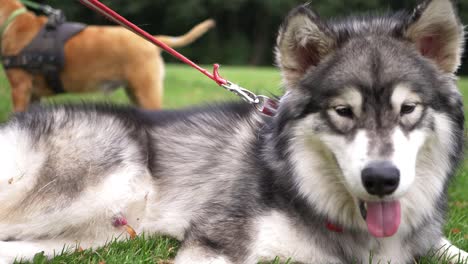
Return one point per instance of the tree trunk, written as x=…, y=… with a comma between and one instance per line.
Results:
x=261, y=39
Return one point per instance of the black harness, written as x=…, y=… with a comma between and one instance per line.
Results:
x=45, y=53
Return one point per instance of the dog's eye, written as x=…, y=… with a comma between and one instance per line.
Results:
x=407, y=109
x=344, y=111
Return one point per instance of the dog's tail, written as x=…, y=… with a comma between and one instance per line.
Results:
x=189, y=37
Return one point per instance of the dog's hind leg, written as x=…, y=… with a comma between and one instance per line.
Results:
x=103, y=214
x=445, y=250
x=98, y=214
x=19, y=166
x=21, y=88
x=18, y=250
x=146, y=84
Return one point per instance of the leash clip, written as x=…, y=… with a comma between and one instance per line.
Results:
x=243, y=93
x=262, y=103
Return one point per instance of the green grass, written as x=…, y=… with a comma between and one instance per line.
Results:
x=186, y=87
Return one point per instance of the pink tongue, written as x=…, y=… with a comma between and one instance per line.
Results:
x=383, y=218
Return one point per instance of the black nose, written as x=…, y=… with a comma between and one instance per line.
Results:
x=380, y=178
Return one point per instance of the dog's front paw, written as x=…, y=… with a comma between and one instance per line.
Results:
x=461, y=258
x=5, y=259
x=14, y=250
x=451, y=253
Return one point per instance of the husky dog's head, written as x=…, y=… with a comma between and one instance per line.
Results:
x=372, y=121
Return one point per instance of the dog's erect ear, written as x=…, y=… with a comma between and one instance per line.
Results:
x=438, y=34
x=303, y=41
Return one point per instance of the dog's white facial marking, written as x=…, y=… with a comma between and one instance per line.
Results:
x=406, y=145
x=352, y=97
x=403, y=99
x=402, y=93
x=315, y=165
x=352, y=157
x=405, y=154
x=432, y=166
x=344, y=108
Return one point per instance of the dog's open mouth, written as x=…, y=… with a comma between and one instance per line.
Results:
x=382, y=218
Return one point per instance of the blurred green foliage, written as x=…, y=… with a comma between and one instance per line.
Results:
x=246, y=29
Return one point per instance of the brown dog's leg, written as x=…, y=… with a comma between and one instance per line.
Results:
x=21, y=88
x=147, y=96
x=146, y=85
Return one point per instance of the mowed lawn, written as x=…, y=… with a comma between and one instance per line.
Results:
x=185, y=87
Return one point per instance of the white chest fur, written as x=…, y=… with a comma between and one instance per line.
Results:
x=278, y=236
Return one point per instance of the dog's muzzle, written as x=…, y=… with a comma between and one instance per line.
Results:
x=381, y=178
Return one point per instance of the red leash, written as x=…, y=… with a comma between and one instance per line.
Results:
x=264, y=104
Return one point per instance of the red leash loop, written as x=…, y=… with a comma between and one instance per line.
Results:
x=264, y=104
x=216, y=77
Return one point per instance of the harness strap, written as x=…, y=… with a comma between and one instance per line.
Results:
x=46, y=9
x=44, y=54
x=31, y=4
x=38, y=63
x=30, y=61
x=9, y=20
x=53, y=79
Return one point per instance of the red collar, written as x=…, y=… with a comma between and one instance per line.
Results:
x=334, y=228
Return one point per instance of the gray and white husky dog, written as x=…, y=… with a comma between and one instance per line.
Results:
x=355, y=163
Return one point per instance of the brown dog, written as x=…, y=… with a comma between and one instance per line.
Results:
x=96, y=58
